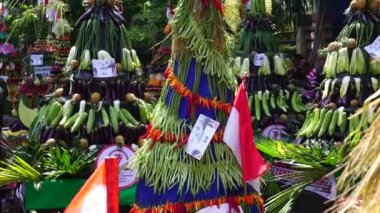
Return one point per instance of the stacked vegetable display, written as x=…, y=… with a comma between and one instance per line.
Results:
x=352, y=75
x=99, y=121
x=99, y=109
x=274, y=98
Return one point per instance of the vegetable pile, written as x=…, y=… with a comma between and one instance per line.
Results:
x=99, y=121
x=101, y=35
x=273, y=97
x=352, y=75
x=97, y=109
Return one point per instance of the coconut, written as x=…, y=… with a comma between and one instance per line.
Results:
x=354, y=103
x=83, y=143
x=119, y=67
x=95, y=97
x=351, y=43
x=120, y=141
x=361, y=4
x=74, y=64
x=374, y=4
x=76, y=97
x=331, y=106
x=333, y=46
x=141, y=143
x=354, y=5
x=130, y=97
x=58, y=92
x=110, y=3
x=50, y=142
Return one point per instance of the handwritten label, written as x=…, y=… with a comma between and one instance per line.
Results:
x=43, y=71
x=200, y=136
x=127, y=177
x=36, y=60
x=325, y=187
x=104, y=68
x=259, y=59
x=374, y=48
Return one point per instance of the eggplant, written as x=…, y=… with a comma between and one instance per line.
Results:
x=116, y=90
x=107, y=139
x=120, y=17
x=91, y=138
x=374, y=17
x=247, y=24
x=97, y=139
x=42, y=134
x=102, y=14
x=113, y=90
x=111, y=135
x=104, y=91
x=51, y=134
x=57, y=135
x=128, y=134
x=122, y=90
x=114, y=18
x=85, y=16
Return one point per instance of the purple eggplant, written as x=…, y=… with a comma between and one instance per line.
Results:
x=85, y=16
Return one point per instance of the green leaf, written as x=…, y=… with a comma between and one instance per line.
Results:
x=283, y=201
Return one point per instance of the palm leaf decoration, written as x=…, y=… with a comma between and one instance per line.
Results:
x=269, y=186
x=361, y=168
x=17, y=170
x=360, y=165
x=60, y=161
x=312, y=163
x=315, y=156
x=283, y=201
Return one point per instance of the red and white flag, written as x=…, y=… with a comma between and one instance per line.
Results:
x=100, y=193
x=239, y=137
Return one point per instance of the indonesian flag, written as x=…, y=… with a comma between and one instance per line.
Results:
x=100, y=194
x=238, y=136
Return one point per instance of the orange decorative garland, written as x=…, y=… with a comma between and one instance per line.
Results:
x=194, y=98
x=197, y=205
x=157, y=135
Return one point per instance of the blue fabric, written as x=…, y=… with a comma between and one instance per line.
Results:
x=146, y=197
x=203, y=91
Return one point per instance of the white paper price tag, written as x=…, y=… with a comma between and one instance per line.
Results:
x=104, y=68
x=374, y=48
x=200, y=136
x=36, y=60
x=43, y=71
x=259, y=59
